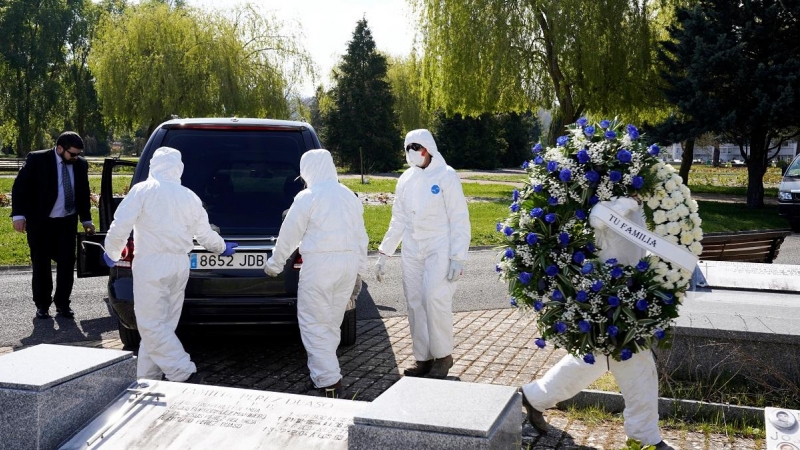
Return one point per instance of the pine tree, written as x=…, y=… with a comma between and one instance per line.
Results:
x=362, y=123
x=734, y=68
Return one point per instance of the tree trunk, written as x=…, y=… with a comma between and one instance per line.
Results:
x=756, y=168
x=686, y=160
x=715, y=161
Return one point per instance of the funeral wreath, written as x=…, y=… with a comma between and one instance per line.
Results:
x=551, y=259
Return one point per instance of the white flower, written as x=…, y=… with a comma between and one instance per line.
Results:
x=698, y=234
x=653, y=203
x=661, y=230
x=673, y=228
x=667, y=203
x=696, y=218
x=692, y=206
x=673, y=215
x=696, y=248
x=677, y=196
x=670, y=185
x=687, y=238
x=659, y=217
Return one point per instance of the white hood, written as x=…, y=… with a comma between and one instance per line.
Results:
x=316, y=166
x=166, y=165
x=424, y=138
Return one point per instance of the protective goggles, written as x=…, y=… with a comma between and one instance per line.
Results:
x=413, y=146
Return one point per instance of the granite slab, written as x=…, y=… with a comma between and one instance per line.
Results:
x=748, y=276
x=49, y=391
x=193, y=416
x=424, y=413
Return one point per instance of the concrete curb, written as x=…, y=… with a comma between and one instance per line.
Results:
x=669, y=407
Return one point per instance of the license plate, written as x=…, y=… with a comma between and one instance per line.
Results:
x=236, y=261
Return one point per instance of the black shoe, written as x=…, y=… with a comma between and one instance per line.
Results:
x=440, y=367
x=65, y=312
x=534, y=417
x=42, y=313
x=663, y=446
x=333, y=391
x=194, y=378
x=419, y=369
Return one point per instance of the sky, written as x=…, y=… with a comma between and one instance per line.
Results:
x=329, y=24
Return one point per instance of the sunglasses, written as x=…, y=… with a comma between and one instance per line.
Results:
x=74, y=155
x=413, y=146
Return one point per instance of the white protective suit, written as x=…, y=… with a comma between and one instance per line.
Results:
x=165, y=216
x=430, y=216
x=636, y=377
x=327, y=221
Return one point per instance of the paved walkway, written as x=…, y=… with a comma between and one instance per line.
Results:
x=491, y=346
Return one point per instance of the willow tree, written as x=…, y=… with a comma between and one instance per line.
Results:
x=153, y=61
x=404, y=75
x=571, y=56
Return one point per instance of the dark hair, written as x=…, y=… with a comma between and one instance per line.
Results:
x=70, y=139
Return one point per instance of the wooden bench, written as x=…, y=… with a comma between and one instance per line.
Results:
x=9, y=164
x=743, y=246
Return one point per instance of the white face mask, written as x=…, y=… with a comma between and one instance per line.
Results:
x=415, y=158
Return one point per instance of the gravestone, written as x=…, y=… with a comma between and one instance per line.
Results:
x=163, y=414
x=740, y=319
x=783, y=431
x=422, y=413
x=49, y=391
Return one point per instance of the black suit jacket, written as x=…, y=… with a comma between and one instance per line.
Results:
x=36, y=187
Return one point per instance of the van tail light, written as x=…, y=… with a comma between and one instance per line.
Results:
x=127, y=255
x=298, y=263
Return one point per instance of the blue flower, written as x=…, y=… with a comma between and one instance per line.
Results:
x=578, y=257
x=604, y=124
x=641, y=305
x=612, y=330
x=557, y=295
x=508, y=231
x=514, y=207
x=583, y=156
x=584, y=326
x=632, y=131
x=588, y=358
x=614, y=176
x=551, y=270
x=660, y=334
x=653, y=150
x=637, y=182
x=560, y=327
x=525, y=277
x=613, y=301
x=581, y=296
x=562, y=141
x=590, y=247
x=565, y=175
x=499, y=227
x=537, y=212
x=597, y=285
x=610, y=134
x=592, y=176
x=589, y=131
x=593, y=200
x=525, y=164
x=538, y=305
x=497, y=268
x=538, y=188
x=552, y=166
x=537, y=148
x=538, y=160
x=587, y=268
x=624, y=156
x=611, y=261
x=532, y=238
x=509, y=253
x=550, y=218
x=513, y=302
x=583, y=121
x=580, y=214
x=515, y=195
x=642, y=266
x=616, y=272
x=540, y=342
x=563, y=239
x=552, y=201
x=625, y=354
x=670, y=298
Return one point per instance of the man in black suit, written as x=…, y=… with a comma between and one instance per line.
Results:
x=50, y=192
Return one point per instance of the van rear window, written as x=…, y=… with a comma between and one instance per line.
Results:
x=245, y=178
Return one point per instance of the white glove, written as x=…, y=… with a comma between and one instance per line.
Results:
x=456, y=269
x=379, y=267
x=270, y=269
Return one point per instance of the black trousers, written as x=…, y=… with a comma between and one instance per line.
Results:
x=53, y=239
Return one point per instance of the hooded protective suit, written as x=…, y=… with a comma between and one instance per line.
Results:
x=165, y=216
x=327, y=221
x=430, y=216
x=636, y=377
